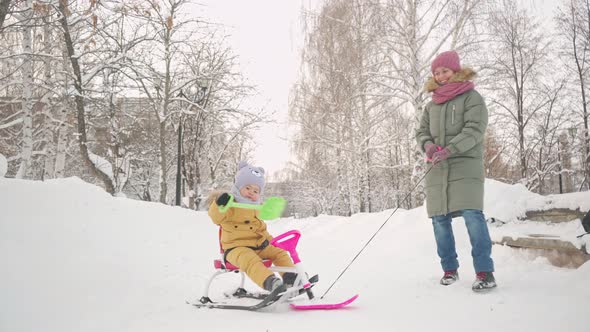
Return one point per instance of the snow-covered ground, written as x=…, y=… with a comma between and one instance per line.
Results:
x=73, y=258
x=509, y=204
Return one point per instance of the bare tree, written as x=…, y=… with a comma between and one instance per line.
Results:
x=25, y=83
x=414, y=32
x=323, y=107
x=159, y=74
x=545, y=162
x=320, y=104
x=519, y=49
x=573, y=25
x=364, y=67
x=79, y=67
x=79, y=100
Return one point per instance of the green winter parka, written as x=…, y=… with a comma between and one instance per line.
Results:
x=459, y=124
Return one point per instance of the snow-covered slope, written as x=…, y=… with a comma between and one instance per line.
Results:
x=74, y=258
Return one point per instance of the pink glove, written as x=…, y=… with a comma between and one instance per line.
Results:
x=442, y=155
x=430, y=149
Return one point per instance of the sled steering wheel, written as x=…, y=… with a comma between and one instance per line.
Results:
x=288, y=241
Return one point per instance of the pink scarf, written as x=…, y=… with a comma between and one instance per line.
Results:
x=446, y=92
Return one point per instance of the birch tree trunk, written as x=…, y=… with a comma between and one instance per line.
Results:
x=49, y=125
x=162, y=160
x=62, y=143
x=27, y=103
x=61, y=118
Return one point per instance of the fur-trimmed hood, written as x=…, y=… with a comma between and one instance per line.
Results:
x=465, y=74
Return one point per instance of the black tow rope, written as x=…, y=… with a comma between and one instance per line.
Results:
x=366, y=244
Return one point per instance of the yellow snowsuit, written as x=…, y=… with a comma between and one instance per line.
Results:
x=245, y=240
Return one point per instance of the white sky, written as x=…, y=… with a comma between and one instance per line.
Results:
x=266, y=36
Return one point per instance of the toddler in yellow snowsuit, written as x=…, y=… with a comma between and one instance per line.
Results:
x=244, y=237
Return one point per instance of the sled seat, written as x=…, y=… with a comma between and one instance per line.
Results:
x=218, y=264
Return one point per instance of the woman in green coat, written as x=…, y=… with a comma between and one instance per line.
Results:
x=451, y=133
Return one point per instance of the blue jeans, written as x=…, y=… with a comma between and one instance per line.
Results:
x=481, y=244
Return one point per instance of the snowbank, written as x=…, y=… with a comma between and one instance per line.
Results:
x=76, y=259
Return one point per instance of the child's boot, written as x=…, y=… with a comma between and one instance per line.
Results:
x=272, y=282
x=289, y=279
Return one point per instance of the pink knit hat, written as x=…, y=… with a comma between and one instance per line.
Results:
x=448, y=59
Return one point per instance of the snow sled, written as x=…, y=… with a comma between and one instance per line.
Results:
x=301, y=285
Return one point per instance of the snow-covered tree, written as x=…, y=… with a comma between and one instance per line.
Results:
x=360, y=91
x=338, y=106
x=519, y=50
x=117, y=78
x=414, y=33
x=573, y=26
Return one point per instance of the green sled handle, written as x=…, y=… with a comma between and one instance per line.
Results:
x=271, y=209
